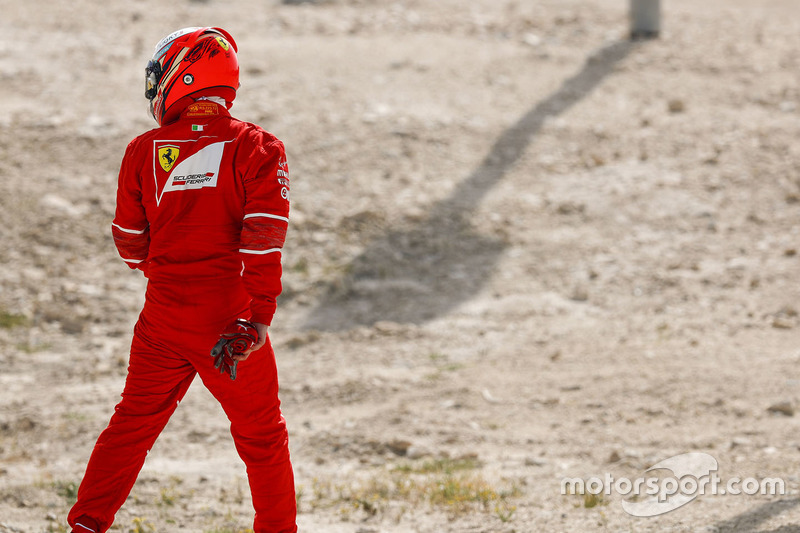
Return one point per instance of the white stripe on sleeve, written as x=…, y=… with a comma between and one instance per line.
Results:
x=266, y=215
x=259, y=252
x=132, y=231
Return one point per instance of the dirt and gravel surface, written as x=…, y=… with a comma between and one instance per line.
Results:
x=522, y=248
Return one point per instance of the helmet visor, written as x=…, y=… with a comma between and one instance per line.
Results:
x=152, y=75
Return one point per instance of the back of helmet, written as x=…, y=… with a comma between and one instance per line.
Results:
x=189, y=64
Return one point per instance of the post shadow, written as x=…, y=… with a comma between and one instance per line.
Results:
x=415, y=274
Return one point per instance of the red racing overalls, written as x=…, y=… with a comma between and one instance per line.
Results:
x=202, y=210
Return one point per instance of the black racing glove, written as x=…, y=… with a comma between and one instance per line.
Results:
x=236, y=339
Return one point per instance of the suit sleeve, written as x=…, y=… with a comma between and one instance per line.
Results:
x=130, y=227
x=264, y=226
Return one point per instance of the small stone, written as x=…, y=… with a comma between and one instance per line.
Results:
x=302, y=340
x=614, y=457
x=597, y=160
x=570, y=208
x=579, y=294
x=676, y=105
x=73, y=325
x=535, y=461
x=786, y=318
x=737, y=442
x=51, y=202
x=416, y=452
x=783, y=408
x=399, y=447
x=387, y=327
x=487, y=395
x=532, y=40
x=782, y=322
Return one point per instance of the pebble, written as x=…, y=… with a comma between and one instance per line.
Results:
x=399, y=447
x=786, y=318
x=535, y=461
x=579, y=294
x=416, y=452
x=739, y=441
x=531, y=39
x=676, y=105
x=488, y=396
x=783, y=408
x=387, y=327
x=53, y=202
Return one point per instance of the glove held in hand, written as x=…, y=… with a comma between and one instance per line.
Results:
x=236, y=339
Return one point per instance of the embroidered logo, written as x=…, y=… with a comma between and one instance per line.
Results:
x=202, y=109
x=167, y=155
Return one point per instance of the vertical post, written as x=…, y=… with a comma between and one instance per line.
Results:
x=645, y=19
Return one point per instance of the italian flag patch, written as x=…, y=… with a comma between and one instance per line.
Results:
x=197, y=127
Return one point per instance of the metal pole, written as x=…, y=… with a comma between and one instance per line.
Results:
x=645, y=19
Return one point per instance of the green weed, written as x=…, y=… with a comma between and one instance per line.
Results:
x=446, y=484
x=11, y=320
x=67, y=490
x=593, y=500
x=441, y=466
x=141, y=526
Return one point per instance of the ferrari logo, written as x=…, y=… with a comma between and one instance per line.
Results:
x=167, y=155
x=223, y=43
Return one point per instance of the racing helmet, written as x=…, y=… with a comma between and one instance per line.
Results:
x=188, y=64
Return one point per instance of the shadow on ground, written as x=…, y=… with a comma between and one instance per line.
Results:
x=749, y=521
x=414, y=274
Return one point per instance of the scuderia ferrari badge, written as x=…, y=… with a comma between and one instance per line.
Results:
x=167, y=155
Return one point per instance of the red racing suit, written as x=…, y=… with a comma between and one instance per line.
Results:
x=202, y=210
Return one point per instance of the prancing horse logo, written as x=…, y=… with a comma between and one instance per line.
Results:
x=167, y=155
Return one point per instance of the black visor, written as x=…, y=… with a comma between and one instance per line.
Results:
x=152, y=75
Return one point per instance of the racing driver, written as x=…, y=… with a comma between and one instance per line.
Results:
x=202, y=211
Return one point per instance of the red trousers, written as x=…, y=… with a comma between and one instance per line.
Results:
x=170, y=346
